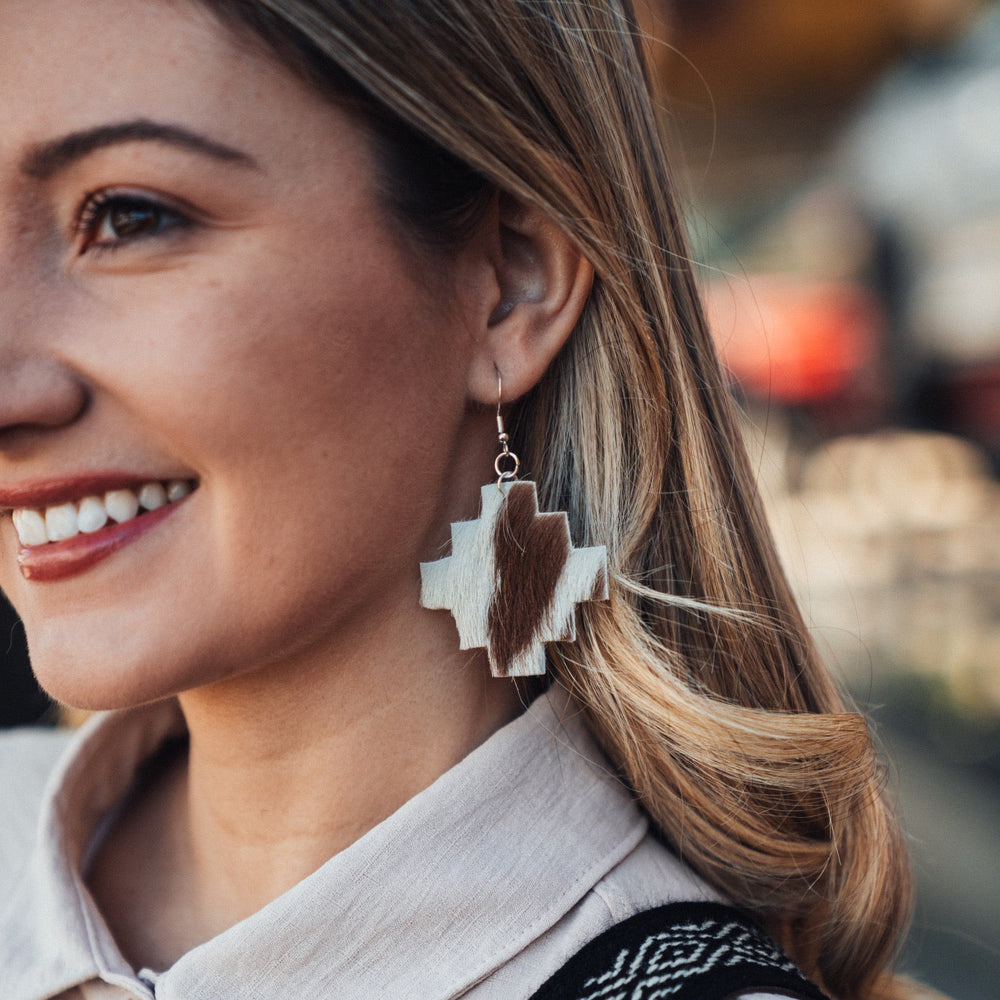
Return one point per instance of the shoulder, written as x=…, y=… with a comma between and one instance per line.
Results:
x=27, y=758
x=650, y=875
x=647, y=876
x=647, y=914
x=689, y=951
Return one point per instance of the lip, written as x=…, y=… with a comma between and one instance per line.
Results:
x=59, y=560
x=41, y=493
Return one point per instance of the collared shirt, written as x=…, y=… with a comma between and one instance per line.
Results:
x=480, y=886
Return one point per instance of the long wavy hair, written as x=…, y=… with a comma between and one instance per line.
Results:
x=697, y=676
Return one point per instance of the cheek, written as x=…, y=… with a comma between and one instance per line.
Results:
x=334, y=354
x=319, y=409
x=357, y=374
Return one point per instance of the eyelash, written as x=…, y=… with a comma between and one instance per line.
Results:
x=96, y=210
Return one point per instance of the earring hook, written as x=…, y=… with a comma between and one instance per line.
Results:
x=506, y=455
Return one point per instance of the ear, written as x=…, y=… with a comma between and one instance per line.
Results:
x=541, y=283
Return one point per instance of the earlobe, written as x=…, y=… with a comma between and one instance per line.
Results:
x=543, y=281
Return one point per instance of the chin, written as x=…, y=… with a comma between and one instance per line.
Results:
x=99, y=680
x=96, y=694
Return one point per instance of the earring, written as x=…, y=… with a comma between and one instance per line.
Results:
x=513, y=579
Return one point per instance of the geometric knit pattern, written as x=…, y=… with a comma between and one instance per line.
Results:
x=683, y=951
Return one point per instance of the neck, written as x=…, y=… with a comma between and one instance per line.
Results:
x=287, y=767
x=281, y=780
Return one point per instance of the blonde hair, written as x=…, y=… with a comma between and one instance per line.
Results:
x=698, y=676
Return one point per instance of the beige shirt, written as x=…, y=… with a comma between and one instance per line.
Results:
x=481, y=886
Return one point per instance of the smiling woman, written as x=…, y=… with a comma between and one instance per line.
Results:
x=279, y=280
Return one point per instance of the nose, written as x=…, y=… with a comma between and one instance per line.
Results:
x=38, y=390
x=37, y=394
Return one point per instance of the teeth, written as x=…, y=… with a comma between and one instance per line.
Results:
x=66, y=520
x=30, y=527
x=92, y=515
x=61, y=522
x=178, y=489
x=121, y=505
x=152, y=496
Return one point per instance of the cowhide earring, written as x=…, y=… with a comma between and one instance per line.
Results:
x=513, y=579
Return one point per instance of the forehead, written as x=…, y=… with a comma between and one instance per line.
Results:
x=74, y=51
x=69, y=66
x=92, y=61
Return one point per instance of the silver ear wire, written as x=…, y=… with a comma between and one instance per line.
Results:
x=506, y=456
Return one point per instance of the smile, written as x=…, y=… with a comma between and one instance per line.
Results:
x=65, y=538
x=90, y=514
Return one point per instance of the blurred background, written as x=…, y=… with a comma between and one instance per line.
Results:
x=841, y=164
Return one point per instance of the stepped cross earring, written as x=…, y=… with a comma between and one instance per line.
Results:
x=513, y=579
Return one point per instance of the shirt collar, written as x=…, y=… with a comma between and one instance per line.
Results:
x=442, y=893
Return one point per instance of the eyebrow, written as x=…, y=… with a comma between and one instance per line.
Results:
x=47, y=159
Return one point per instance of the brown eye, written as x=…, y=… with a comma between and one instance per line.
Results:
x=111, y=220
x=131, y=218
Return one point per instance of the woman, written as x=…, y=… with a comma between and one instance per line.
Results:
x=270, y=271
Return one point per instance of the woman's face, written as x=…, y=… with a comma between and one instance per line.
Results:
x=198, y=288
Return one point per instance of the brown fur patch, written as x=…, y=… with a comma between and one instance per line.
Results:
x=600, y=591
x=530, y=551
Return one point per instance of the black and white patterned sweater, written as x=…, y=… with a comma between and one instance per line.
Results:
x=682, y=951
